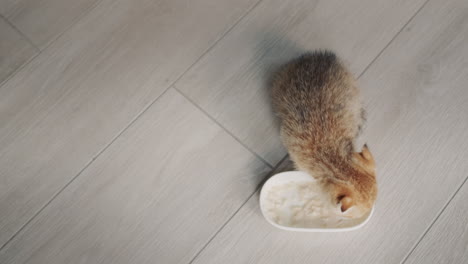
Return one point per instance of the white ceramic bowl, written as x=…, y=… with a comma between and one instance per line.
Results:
x=298, y=176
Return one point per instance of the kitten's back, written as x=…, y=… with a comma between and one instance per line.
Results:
x=317, y=100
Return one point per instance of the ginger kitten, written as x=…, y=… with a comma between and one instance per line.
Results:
x=317, y=101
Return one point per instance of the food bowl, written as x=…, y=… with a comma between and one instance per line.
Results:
x=277, y=209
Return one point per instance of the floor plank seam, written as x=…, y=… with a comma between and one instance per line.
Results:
x=215, y=43
x=394, y=37
x=359, y=76
x=173, y=84
x=130, y=123
x=79, y=173
x=38, y=50
x=225, y=129
x=20, y=33
x=72, y=24
x=20, y=68
x=277, y=165
x=219, y=124
x=238, y=209
x=433, y=222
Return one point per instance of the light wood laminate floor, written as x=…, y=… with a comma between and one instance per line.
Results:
x=140, y=131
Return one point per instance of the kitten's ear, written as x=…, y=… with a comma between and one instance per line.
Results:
x=365, y=153
x=346, y=202
x=365, y=158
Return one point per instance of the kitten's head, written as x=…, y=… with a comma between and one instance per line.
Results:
x=357, y=196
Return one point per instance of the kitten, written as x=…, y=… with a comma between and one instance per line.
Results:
x=317, y=101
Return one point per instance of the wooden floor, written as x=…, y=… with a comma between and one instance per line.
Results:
x=139, y=131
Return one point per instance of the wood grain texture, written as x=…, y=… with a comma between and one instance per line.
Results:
x=15, y=50
x=231, y=81
x=447, y=240
x=417, y=130
x=43, y=20
x=72, y=100
x=155, y=196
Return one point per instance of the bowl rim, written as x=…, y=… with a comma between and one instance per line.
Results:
x=302, y=176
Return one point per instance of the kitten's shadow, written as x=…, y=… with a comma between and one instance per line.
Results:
x=273, y=51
